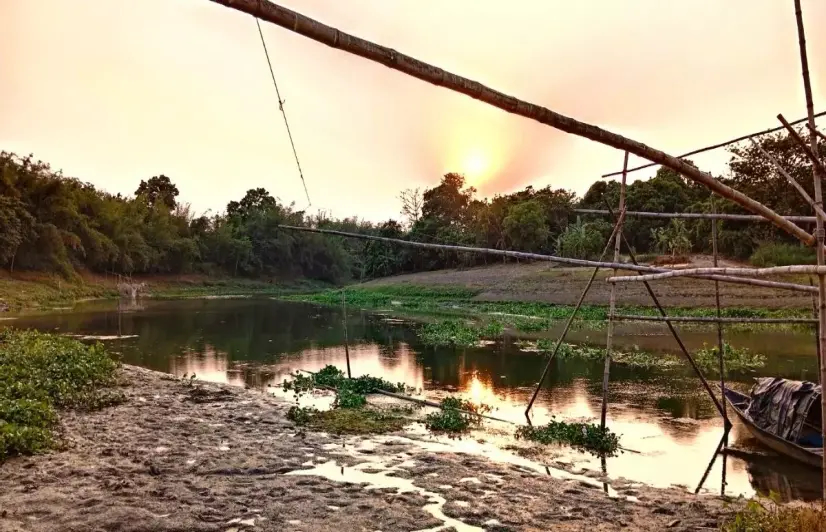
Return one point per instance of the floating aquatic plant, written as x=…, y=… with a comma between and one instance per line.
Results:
x=585, y=436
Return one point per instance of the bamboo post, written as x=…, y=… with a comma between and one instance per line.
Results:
x=706, y=275
x=721, y=348
x=816, y=166
x=346, y=340
x=815, y=131
x=335, y=38
x=673, y=331
x=715, y=146
x=612, y=302
x=567, y=327
x=810, y=150
x=817, y=325
x=717, y=451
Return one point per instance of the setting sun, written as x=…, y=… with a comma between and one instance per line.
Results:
x=475, y=165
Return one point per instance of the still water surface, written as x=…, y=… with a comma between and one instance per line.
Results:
x=665, y=415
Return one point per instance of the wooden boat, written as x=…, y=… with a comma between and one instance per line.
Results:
x=812, y=456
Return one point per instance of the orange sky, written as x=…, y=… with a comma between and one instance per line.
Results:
x=115, y=91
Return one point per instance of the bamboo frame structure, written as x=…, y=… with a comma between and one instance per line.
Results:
x=335, y=38
x=710, y=319
x=715, y=146
x=721, y=347
x=815, y=131
x=698, y=216
x=818, y=172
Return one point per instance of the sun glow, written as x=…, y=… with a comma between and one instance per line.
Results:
x=475, y=166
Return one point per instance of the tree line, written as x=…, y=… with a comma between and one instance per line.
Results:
x=53, y=223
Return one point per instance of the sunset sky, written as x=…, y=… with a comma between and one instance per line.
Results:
x=115, y=91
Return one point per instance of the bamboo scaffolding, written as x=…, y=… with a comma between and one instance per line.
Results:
x=673, y=331
x=818, y=172
x=550, y=258
x=710, y=319
x=714, y=146
x=567, y=327
x=815, y=131
x=612, y=301
x=690, y=272
x=335, y=38
x=698, y=216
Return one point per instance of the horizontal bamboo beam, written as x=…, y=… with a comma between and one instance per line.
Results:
x=715, y=146
x=690, y=272
x=710, y=319
x=335, y=38
x=697, y=216
x=550, y=258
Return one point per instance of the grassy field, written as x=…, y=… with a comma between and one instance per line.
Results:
x=30, y=291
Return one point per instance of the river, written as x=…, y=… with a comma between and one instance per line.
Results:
x=664, y=417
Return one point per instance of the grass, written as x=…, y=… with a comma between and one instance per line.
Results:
x=737, y=360
x=756, y=517
x=455, y=415
x=523, y=316
x=40, y=374
x=773, y=254
x=584, y=436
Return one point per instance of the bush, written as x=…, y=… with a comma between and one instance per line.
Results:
x=456, y=415
x=767, y=255
x=580, y=241
x=774, y=517
x=40, y=373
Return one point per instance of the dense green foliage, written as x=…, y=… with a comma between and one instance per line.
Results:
x=775, y=517
x=40, y=373
x=455, y=415
x=52, y=223
x=585, y=436
x=776, y=254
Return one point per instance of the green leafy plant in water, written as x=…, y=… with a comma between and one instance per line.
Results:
x=455, y=415
x=301, y=415
x=736, y=359
x=585, y=436
x=346, y=398
x=450, y=333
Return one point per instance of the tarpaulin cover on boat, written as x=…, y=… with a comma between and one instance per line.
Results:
x=781, y=406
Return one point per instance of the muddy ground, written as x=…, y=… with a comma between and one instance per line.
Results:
x=214, y=457
x=547, y=283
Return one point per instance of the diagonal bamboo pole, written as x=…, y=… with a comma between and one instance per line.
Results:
x=673, y=331
x=810, y=150
x=333, y=37
x=551, y=258
x=690, y=272
x=568, y=323
x=714, y=146
x=612, y=303
x=721, y=347
x=815, y=131
x=818, y=172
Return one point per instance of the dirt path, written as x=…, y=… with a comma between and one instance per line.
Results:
x=546, y=283
x=226, y=459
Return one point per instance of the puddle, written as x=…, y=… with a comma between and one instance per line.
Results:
x=354, y=475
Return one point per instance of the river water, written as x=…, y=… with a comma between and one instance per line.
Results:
x=663, y=415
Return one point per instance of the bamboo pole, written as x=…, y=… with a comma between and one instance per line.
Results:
x=710, y=319
x=671, y=328
x=782, y=171
x=346, y=340
x=297, y=23
x=714, y=146
x=698, y=216
x=815, y=131
x=810, y=150
x=817, y=325
x=551, y=258
x=721, y=348
x=612, y=303
x=689, y=272
x=817, y=173
x=614, y=234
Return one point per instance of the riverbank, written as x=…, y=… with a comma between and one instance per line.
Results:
x=210, y=457
x=30, y=291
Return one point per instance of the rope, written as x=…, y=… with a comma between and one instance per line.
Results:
x=284, y=113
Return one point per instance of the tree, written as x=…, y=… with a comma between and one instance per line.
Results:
x=447, y=203
x=158, y=190
x=412, y=201
x=255, y=200
x=526, y=227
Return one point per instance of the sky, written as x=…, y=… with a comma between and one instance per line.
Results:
x=116, y=91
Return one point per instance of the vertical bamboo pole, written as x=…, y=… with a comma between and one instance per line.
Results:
x=720, y=346
x=821, y=314
x=817, y=325
x=346, y=340
x=606, y=371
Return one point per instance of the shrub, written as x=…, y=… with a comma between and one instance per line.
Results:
x=580, y=241
x=42, y=372
x=456, y=415
x=777, y=518
x=767, y=255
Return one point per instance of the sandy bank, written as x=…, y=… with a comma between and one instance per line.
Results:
x=224, y=458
